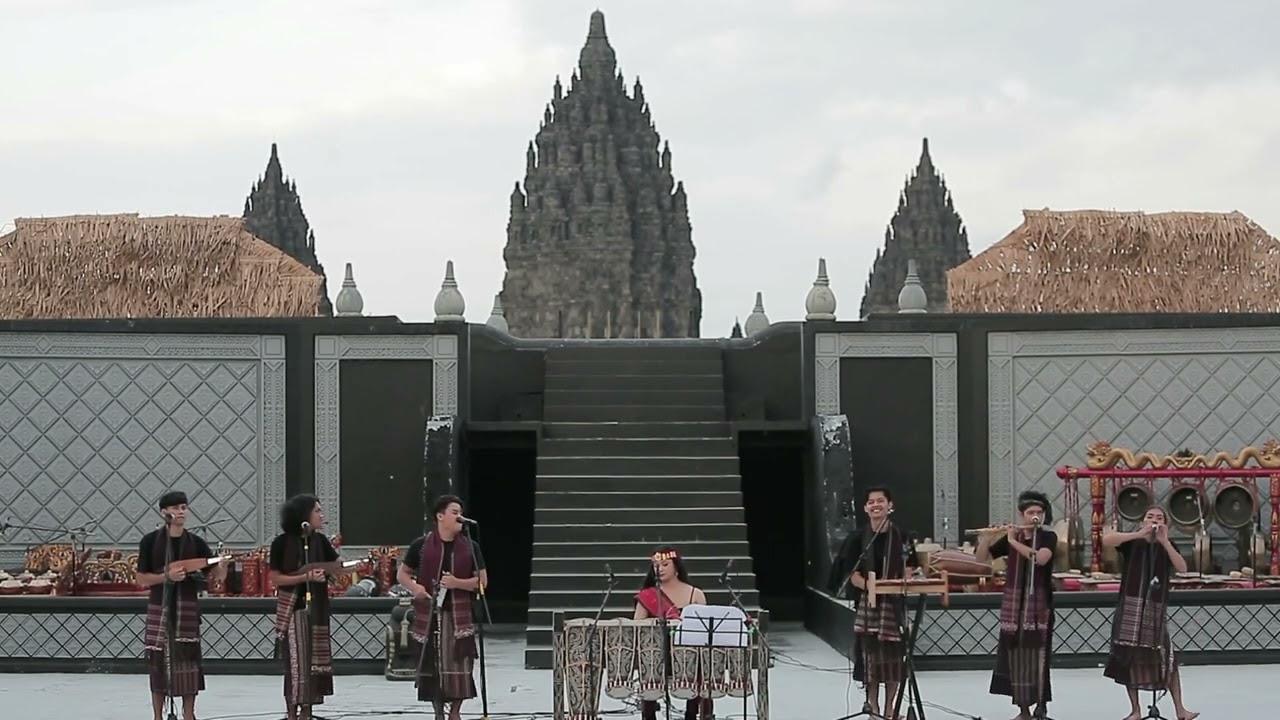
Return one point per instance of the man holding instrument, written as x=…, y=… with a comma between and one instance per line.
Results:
x=1142, y=657
x=1026, y=610
x=444, y=670
x=181, y=675
x=299, y=557
x=879, y=647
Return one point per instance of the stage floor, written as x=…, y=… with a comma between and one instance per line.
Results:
x=797, y=692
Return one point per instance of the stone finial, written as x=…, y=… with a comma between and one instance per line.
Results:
x=757, y=320
x=449, y=303
x=349, y=302
x=498, y=316
x=736, y=332
x=912, y=300
x=820, y=304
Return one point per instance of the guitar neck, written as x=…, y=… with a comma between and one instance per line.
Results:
x=193, y=564
x=335, y=566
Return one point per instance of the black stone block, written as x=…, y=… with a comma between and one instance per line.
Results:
x=639, y=447
x=631, y=413
x=638, y=465
x=641, y=398
x=651, y=483
x=649, y=429
x=646, y=535
x=606, y=514
x=638, y=500
x=649, y=381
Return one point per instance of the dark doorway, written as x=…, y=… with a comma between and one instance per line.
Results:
x=501, y=480
x=772, y=466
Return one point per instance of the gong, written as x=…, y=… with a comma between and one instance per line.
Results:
x=1188, y=505
x=1133, y=501
x=1234, y=506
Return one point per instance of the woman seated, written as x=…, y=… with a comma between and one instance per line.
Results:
x=665, y=592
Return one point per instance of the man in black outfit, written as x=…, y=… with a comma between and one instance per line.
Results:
x=183, y=674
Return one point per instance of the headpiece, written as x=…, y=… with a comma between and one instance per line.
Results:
x=661, y=555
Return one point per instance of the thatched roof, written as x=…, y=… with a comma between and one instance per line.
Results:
x=112, y=266
x=1095, y=261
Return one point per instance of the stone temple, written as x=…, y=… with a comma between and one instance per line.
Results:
x=599, y=243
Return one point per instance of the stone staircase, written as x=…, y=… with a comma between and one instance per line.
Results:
x=635, y=452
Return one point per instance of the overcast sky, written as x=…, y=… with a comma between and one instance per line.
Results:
x=792, y=123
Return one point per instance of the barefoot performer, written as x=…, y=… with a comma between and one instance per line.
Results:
x=183, y=675
x=879, y=646
x=444, y=676
x=302, y=605
x=1142, y=657
x=1026, y=610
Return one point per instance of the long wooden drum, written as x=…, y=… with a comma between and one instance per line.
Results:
x=957, y=563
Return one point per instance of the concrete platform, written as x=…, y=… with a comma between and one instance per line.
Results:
x=808, y=682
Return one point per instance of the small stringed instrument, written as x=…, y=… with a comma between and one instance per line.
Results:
x=335, y=566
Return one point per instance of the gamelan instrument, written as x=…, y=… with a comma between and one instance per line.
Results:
x=628, y=662
x=956, y=563
x=911, y=586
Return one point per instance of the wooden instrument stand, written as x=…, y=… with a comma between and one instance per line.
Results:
x=900, y=588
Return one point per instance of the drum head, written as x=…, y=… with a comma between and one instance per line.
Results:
x=1186, y=505
x=1132, y=502
x=1234, y=506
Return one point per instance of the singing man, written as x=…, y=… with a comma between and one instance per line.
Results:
x=183, y=675
x=879, y=649
x=1142, y=657
x=1026, y=610
x=445, y=571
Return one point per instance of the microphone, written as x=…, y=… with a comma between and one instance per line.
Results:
x=1037, y=521
x=724, y=576
x=306, y=527
x=608, y=571
x=168, y=518
x=466, y=520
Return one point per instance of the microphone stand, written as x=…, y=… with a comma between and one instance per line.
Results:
x=1150, y=583
x=167, y=597
x=736, y=600
x=484, y=603
x=661, y=624
x=592, y=641
x=433, y=628
x=1042, y=711
x=848, y=581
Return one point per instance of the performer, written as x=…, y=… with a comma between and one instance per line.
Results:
x=460, y=567
x=302, y=629
x=1142, y=657
x=1026, y=616
x=883, y=548
x=665, y=592
x=183, y=611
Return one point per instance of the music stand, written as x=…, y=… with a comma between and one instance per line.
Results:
x=922, y=588
x=713, y=626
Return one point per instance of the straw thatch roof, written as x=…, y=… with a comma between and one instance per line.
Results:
x=1094, y=261
x=113, y=266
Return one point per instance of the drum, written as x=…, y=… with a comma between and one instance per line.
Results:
x=649, y=661
x=957, y=563
x=715, y=663
x=620, y=642
x=581, y=675
x=738, y=667
x=685, y=663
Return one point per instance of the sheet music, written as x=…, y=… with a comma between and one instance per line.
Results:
x=723, y=625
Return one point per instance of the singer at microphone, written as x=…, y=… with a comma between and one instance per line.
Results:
x=163, y=556
x=445, y=571
x=665, y=591
x=1142, y=656
x=302, y=601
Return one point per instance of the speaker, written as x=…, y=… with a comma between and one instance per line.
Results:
x=1133, y=501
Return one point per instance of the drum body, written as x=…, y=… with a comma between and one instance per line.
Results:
x=957, y=563
x=620, y=644
x=582, y=668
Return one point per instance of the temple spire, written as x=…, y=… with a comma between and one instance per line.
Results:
x=597, y=60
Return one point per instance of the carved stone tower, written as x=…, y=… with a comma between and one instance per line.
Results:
x=273, y=213
x=926, y=228
x=599, y=242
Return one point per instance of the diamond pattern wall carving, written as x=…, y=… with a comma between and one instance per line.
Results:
x=829, y=348
x=1053, y=393
x=330, y=350
x=95, y=427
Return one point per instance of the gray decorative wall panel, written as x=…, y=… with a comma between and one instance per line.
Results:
x=1053, y=393
x=829, y=348
x=94, y=427
x=441, y=350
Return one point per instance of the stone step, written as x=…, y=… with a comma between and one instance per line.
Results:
x=648, y=397
x=607, y=550
x=647, y=535
x=639, y=565
x=645, y=429
x=633, y=413
x=638, y=447
x=545, y=500
x=650, y=381
x=638, y=464
x=606, y=515
x=629, y=582
x=629, y=349
x=652, y=483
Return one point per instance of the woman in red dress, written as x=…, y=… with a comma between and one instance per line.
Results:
x=665, y=592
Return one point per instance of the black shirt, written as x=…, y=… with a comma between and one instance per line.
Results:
x=1044, y=573
x=321, y=551
x=146, y=552
x=413, y=556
